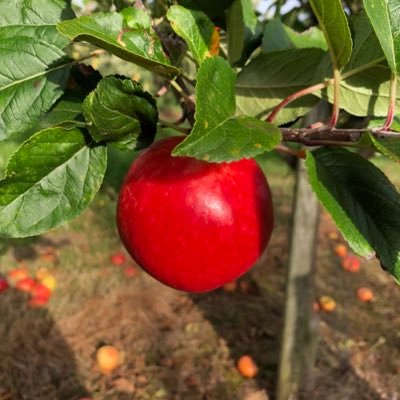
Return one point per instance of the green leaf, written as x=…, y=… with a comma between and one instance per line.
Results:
x=241, y=22
x=67, y=113
x=363, y=203
x=140, y=46
x=366, y=93
x=119, y=110
x=34, y=19
x=271, y=77
x=34, y=75
x=234, y=138
x=135, y=18
x=385, y=18
x=390, y=147
x=333, y=23
x=278, y=36
x=211, y=7
x=195, y=28
x=217, y=135
x=366, y=47
x=49, y=180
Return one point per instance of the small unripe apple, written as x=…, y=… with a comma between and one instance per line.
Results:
x=190, y=224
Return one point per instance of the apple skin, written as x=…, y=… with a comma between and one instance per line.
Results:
x=190, y=224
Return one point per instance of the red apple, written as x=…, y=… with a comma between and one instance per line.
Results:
x=25, y=285
x=118, y=259
x=194, y=225
x=3, y=284
x=41, y=291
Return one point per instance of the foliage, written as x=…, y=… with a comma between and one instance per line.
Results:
x=228, y=68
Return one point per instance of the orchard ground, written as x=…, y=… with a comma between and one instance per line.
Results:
x=180, y=346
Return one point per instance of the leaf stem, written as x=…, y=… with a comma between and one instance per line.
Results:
x=295, y=96
x=167, y=124
x=392, y=102
x=181, y=92
x=319, y=86
x=336, y=98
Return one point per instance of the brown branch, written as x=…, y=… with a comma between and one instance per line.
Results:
x=331, y=137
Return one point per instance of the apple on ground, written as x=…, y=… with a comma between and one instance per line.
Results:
x=17, y=274
x=3, y=284
x=327, y=304
x=247, y=367
x=25, y=284
x=130, y=271
x=190, y=224
x=118, y=259
x=40, y=295
x=108, y=358
x=365, y=294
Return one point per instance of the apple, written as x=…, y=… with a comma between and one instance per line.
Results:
x=25, y=284
x=118, y=259
x=3, y=284
x=327, y=304
x=41, y=291
x=191, y=224
x=108, y=358
x=17, y=274
x=247, y=367
x=365, y=294
x=130, y=271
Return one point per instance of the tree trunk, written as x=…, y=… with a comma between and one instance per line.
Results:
x=299, y=338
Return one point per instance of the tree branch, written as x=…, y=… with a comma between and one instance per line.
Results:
x=331, y=137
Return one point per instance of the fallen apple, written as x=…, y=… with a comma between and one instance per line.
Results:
x=25, y=284
x=118, y=259
x=108, y=358
x=247, y=367
x=3, y=284
x=190, y=224
x=17, y=274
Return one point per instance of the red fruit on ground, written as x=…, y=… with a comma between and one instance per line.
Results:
x=25, y=285
x=230, y=287
x=327, y=304
x=41, y=291
x=247, y=367
x=351, y=263
x=118, y=259
x=190, y=224
x=38, y=301
x=3, y=285
x=365, y=294
x=17, y=274
x=131, y=271
x=341, y=250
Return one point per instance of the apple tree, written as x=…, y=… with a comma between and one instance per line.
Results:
x=317, y=82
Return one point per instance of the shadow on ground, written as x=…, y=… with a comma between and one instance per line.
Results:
x=35, y=360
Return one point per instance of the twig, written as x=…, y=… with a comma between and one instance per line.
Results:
x=331, y=137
